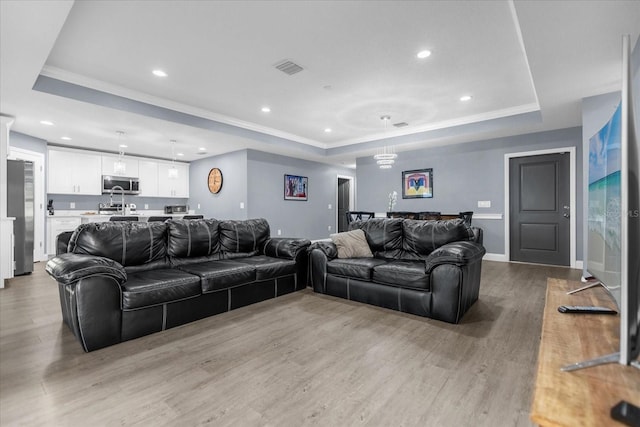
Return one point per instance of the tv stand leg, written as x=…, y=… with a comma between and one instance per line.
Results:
x=609, y=358
x=588, y=286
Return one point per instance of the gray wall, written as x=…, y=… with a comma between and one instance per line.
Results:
x=225, y=204
x=310, y=219
x=463, y=174
x=256, y=179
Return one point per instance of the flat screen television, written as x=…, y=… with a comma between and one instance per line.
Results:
x=613, y=205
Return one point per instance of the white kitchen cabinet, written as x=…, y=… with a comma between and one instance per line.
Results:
x=148, y=175
x=57, y=225
x=173, y=187
x=73, y=172
x=131, y=166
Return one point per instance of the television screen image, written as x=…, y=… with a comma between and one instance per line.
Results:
x=605, y=201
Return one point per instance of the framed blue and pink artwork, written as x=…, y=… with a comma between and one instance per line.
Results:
x=417, y=184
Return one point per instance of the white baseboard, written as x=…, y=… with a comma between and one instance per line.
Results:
x=503, y=258
x=495, y=257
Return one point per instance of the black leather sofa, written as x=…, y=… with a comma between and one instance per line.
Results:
x=426, y=268
x=122, y=280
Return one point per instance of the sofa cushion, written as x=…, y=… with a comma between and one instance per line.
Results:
x=382, y=234
x=352, y=244
x=268, y=268
x=402, y=273
x=222, y=274
x=423, y=237
x=243, y=237
x=192, y=238
x=354, y=268
x=129, y=243
x=155, y=287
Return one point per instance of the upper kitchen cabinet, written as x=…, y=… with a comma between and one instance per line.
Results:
x=148, y=178
x=173, y=179
x=130, y=169
x=74, y=172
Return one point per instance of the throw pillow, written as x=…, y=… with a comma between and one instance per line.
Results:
x=352, y=244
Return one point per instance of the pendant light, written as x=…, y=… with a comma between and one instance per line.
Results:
x=119, y=166
x=173, y=170
x=387, y=157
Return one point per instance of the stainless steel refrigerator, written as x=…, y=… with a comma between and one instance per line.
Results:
x=20, y=206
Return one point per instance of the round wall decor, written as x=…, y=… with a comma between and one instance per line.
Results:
x=214, y=181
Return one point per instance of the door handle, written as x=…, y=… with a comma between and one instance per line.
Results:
x=566, y=207
x=566, y=215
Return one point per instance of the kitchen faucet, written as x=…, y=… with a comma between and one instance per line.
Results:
x=117, y=187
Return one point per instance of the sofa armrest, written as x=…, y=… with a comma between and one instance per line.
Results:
x=69, y=268
x=457, y=253
x=327, y=247
x=282, y=247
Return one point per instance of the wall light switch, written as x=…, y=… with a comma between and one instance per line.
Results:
x=146, y=205
x=72, y=205
x=279, y=232
x=484, y=203
x=241, y=205
x=198, y=205
x=329, y=228
x=329, y=205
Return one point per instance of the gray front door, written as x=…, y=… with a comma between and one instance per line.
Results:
x=539, y=209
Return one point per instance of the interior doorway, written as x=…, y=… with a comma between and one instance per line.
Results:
x=345, y=201
x=540, y=207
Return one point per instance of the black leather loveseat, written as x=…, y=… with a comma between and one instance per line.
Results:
x=123, y=280
x=427, y=268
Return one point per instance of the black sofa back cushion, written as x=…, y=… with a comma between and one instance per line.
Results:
x=383, y=234
x=129, y=243
x=193, y=238
x=423, y=237
x=243, y=238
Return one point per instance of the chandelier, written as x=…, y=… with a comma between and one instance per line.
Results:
x=386, y=157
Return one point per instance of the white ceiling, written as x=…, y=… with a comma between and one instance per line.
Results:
x=527, y=65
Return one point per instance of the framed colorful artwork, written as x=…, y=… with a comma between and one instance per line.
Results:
x=295, y=187
x=417, y=184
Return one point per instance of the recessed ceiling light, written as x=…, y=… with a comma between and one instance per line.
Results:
x=202, y=149
x=424, y=54
x=179, y=154
x=266, y=109
x=65, y=138
x=328, y=130
x=159, y=73
x=465, y=98
x=46, y=122
x=123, y=146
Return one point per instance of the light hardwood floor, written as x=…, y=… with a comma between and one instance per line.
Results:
x=302, y=359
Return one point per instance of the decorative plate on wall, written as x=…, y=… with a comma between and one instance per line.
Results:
x=214, y=181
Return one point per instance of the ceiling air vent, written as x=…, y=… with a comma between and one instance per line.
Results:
x=288, y=67
x=401, y=124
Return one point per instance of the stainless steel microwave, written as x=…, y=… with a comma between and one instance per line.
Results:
x=128, y=185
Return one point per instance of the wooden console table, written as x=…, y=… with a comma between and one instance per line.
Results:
x=583, y=397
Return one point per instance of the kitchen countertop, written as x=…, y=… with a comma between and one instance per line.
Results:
x=88, y=214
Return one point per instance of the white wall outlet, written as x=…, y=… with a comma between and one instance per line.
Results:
x=279, y=232
x=241, y=205
x=72, y=205
x=329, y=205
x=328, y=228
x=484, y=203
x=146, y=205
x=198, y=205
